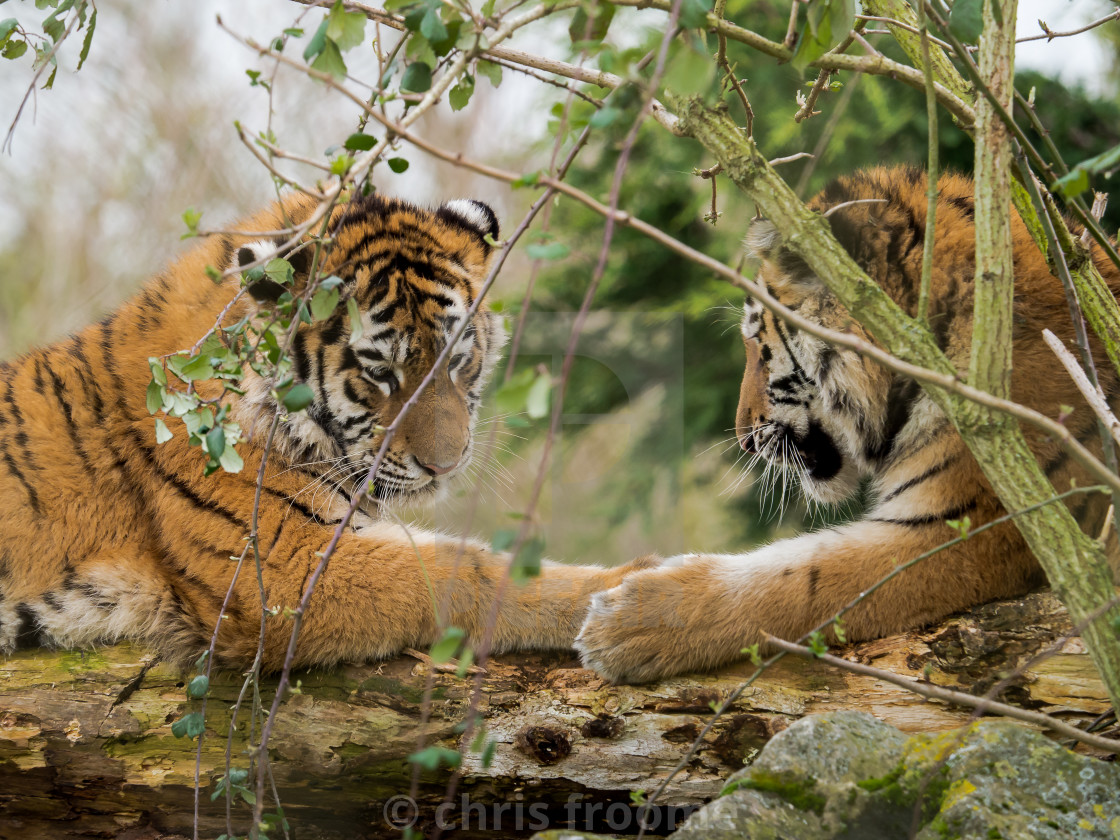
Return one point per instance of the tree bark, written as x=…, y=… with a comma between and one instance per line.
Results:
x=87, y=750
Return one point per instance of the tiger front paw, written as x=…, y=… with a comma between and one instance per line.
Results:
x=642, y=629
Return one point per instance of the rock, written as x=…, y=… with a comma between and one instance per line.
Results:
x=848, y=775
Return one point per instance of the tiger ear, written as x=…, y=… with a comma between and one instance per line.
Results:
x=474, y=216
x=764, y=241
x=258, y=254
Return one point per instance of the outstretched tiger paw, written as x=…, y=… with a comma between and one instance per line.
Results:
x=647, y=627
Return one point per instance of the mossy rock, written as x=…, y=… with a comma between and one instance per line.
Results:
x=847, y=775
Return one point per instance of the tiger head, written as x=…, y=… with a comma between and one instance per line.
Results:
x=817, y=410
x=409, y=276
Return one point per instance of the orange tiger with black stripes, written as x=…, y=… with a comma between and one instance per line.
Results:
x=106, y=535
x=835, y=418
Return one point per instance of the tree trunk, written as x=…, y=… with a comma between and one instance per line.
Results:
x=87, y=747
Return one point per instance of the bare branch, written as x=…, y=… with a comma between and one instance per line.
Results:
x=1049, y=34
x=1092, y=393
x=935, y=692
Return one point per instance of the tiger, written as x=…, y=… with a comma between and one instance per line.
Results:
x=106, y=535
x=835, y=419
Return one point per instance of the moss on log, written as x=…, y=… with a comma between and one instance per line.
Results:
x=86, y=748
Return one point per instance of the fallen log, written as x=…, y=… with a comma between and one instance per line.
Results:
x=86, y=747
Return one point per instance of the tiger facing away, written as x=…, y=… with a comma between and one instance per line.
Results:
x=106, y=535
x=835, y=417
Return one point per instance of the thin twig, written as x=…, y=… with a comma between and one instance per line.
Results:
x=960, y=698
x=1049, y=34
x=1092, y=393
x=931, y=172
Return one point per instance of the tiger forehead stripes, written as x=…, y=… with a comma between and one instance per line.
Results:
x=833, y=418
x=106, y=535
x=413, y=279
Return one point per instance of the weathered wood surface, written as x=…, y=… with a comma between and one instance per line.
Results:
x=86, y=748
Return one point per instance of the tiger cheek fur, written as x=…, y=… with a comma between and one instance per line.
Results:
x=105, y=535
x=836, y=418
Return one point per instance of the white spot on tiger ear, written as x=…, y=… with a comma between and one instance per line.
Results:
x=763, y=238
x=475, y=214
x=251, y=252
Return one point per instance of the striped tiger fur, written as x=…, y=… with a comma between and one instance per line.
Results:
x=105, y=535
x=834, y=418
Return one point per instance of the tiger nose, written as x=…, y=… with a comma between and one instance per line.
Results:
x=746, y=441
x=440, y=469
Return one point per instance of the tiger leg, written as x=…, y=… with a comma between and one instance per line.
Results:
x=387, y=588
x=697, y=612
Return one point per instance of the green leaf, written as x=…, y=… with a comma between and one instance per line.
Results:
x=461, y=94
x=14, y=49
x=443, y=650
x=49, y=83
x=1077, y=180
x=527, y=563
x=163, y=434
x=279, y=270
x=694, y=13
x=323, y=303
x=7, y=27
x=397, y=164
x=298, y=397
x=966, y=20
x=54, y=27
x=511, y=397
x=191, y=218
x=1073, y=183
x=605, y=116
x=330, y=61
x=536, y=403
x=341, y=164
x=432, y=757
x=491, y=71
x=828, y=22
x=591, y=26
x=466, y=659
x=360, y=142
x=488, y=753
x=231, y=460
x=198, y=687
x=345, y=28
x=529, y=179
x=431, y=26
x=216, y=442
x=317, y=42
x=417, y=77
x=293, y=32
x=197, y=368
x=817, y=644
x=355, y=321
x=153, y=398
x=547, y=250
x=189, y=726
x=503, y=540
